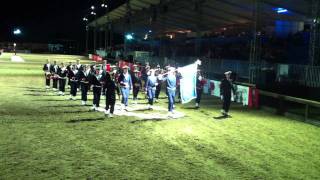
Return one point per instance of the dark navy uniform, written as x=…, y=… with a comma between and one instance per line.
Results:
x=62, y=72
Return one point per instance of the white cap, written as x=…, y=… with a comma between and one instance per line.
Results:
x=228, y=72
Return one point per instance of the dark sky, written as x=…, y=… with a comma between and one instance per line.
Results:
x=45, y=20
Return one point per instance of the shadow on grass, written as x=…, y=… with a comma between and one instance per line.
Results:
x=70, y=112
x=222, y=117
x=147, y=120
x=85, y=120
x=57, y=106
x=50, y=100
x=193, y=108
x=39, y=95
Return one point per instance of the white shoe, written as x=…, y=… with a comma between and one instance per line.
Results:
x=62, y=94
x=83, y=103
x=110, y=115
x=170, y=114
x=93, y=108
x=47, y=87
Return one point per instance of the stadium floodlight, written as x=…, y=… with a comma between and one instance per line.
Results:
x=85, y=19
x=146, y=37
x=93, y=13
x=150, y=31
x=129, y=36
x=104, y=5
x=17, y=32
x=281, y=10
x=92, y=7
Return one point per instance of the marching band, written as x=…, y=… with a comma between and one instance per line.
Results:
x=109, y=81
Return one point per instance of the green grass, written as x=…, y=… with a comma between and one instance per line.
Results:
x=45, y=137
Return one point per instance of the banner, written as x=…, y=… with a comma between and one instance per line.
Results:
x=188, y=88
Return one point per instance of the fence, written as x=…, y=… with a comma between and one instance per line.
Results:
x=265, y=72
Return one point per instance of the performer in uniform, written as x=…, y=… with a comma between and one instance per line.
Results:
x=158, y=88
x=111, y=88
x=62, y=72
x=171, y=83
x=199, y=84
x=78, y=67
x=55, y=78
x=47, y=72
x=126, y=85
x=84, y=83
x=137, y=84
x=226, y=89
x=151, y=87
x=72, y=75
x=94, y=79
x=69, y=66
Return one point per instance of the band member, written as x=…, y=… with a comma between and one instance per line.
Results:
x=158, y=87
x=78, y=67
x=171, y=82
x=111, y=88
x=84, y=83
x=55, y=78
x=62, y=72
x=126, y=85
x=137, y=84
x=94, y=79
x=46, y=69
x=199, y=84
x=69, y=66
x=151, y=88
x=226, y=89
x=72, y=75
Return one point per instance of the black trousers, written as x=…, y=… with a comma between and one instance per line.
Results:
x=96, y=96
x=73, y=88
x=226, y=103
x=199, y=95
x=62, y=85
x=135, y=92
x=47, y=81
x=158, y=90
x=84, y=91
x=110, y=102
x=55, y=83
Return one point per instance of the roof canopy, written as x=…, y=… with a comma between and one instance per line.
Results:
x=174, y=15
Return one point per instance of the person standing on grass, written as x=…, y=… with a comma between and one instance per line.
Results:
x=111, y=89
x=151, y=85
x=94, y=79
x=125, y=82
x=69, y=66
x=171, y=83
x=47, y=72
x=158, y=88
x=137, y=84
x=84, y=83
x=72, y=75
x=54, y=71
x=226, y=89
x=199, y=85
x=62, y=72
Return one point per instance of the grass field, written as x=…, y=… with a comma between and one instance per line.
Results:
x=43, y=136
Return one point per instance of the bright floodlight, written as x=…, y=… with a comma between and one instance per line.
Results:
x=150, y=31
x=281, y=10
x=129, y=37
x=17, y=32
x=92, y=7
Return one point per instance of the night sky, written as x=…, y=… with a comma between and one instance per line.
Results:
x=46, y=20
